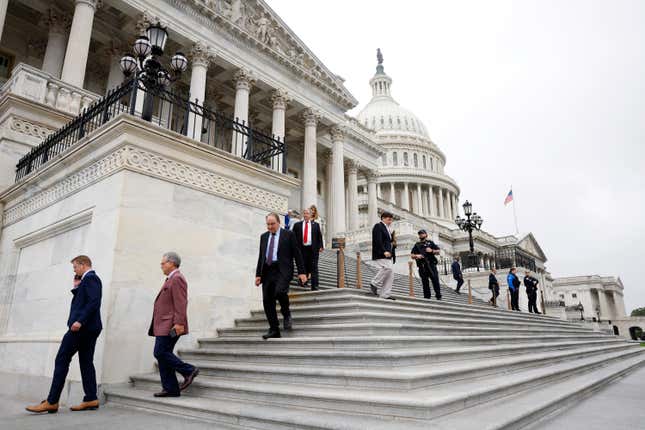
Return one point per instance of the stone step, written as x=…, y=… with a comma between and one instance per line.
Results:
x=418, y=404
x=394, y=342
x=527, y=407
x=348, y=316
x=411, y=369
x=379, y=328
x=359, y=304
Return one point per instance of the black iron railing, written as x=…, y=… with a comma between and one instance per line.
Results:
x=166, y=109
x=504, y=258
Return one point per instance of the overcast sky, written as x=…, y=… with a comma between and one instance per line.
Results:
x=546, y=96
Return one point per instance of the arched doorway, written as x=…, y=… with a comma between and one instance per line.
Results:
x=636, y=333
x=616, y=331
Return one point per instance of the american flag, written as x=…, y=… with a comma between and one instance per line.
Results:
x=509, y=197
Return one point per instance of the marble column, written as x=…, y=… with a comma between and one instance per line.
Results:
x=3, y=14
x=310, y=173
x=243, y=83
x=329, y=173
x=352, y=195
x=419, y=201
x=338, y=179
x=431, y=205
x=372, y=199
x=441, y=213
x=405, y=197
x=115, y=75
x=201, y=56
x=78, y=44
x=605, y=310
x=449, y=202
x=56, y=43
x=455, y=206
x=379, y=191
x=392, y=193
x=279, y=98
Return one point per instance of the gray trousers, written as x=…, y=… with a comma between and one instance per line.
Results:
x=384, y=277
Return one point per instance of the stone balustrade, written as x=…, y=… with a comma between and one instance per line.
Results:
x=34, y=84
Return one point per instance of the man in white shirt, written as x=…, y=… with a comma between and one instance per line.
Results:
x=310, y=242
x=382, y=256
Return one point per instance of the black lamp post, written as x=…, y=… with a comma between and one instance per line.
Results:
x=468, y=224
x=581, y=309
x=146, y=65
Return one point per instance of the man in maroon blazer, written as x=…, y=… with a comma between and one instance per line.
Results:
x=169, y=321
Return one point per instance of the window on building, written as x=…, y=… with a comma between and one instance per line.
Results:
x=416, y=160
x=395, y=159
x=574, y=295
x=562, y=296
x=406, y=161
x=425, y=165
x=6, y=64
x=431, y=164
x=319, y=187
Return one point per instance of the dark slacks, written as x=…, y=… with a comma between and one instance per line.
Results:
x=310, y=256
x=428, y=275
x=460, y=282
x=515, y=299
x=533, y=303
x=495, y=294
x=274, y=288
x=84, y=343
x=169, y=363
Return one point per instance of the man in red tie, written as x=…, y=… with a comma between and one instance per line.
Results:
x=274, y=271
x=310, y=242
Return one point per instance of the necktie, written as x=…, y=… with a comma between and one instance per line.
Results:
x=306, y=233
x=271, y=246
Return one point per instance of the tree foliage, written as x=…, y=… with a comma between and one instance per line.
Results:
x=638, y=312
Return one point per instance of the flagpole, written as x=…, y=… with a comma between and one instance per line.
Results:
x=517, y=229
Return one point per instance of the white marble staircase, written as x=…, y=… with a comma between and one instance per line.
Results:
x=354, y=361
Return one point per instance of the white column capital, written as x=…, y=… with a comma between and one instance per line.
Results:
x=94, y=4
x=280, y=98
x=57, y=21
x=311, y=117
x=337, y=133
x=202, y=54
x=352, y=167
x=371, y=176
x=244, y=79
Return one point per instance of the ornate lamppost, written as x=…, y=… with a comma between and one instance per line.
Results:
x=581, y=309
x=468, y=224
x=146, y=65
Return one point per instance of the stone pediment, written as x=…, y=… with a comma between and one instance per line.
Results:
x=530, y=244
x=257, y=24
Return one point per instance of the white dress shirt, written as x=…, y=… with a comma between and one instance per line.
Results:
x=308, y=224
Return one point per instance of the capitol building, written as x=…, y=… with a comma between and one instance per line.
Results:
x=245, y=120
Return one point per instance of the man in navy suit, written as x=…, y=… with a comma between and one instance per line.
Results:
x=274, y=270
x=84, y=325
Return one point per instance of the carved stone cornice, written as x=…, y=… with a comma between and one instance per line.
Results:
x=256, y=25
x=244, y=79
x=202, y=54
x=280, y=99
x=311, y=117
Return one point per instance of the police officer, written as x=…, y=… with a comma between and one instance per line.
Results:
x=493, y=286
x=424, y=253
x=531, y=291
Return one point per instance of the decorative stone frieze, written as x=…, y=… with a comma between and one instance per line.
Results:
x=29, y=128
x=139, y=160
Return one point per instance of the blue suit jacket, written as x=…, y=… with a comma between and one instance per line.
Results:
x=86, y=303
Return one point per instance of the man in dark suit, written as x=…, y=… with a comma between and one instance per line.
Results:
x=424, y=252
x=274, y=270
x=382, y=252
x=310, y=242
x=169, y=322
x=84, y=325
x=493, y=286
x=457, y=275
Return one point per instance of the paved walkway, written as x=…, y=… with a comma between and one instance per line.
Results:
x=14, y=417
x=619, y=406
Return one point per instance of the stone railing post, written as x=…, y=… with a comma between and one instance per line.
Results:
x=508, y=299
x=411, y=277
x=470, y=293
x=359, y=275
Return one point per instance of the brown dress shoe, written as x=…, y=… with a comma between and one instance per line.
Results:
x=86, y=406
x=43, y=406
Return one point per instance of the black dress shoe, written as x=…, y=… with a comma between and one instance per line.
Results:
x=166, y=394
x=314, y=288
x=373, y=289
x=439, y=297
x=288, y=324
x=270, y=334
x=390, y=298
x=189, y=379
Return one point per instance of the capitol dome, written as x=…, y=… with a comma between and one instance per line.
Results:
x=384, y=114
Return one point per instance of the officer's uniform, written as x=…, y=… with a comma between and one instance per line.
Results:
x=531, y=291
x=428, y=268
